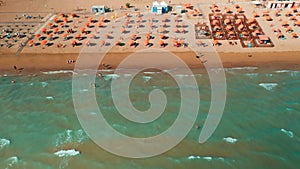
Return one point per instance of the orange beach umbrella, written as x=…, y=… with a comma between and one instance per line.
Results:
x=44, y=42
x=30, y=42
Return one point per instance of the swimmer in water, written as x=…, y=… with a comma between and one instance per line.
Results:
x=100, y=75
x=93, y=85
x=13, y=82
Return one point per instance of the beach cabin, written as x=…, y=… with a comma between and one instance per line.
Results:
x=282, y=4
x=263, y=39
x=178, y=9
x=160, y=8
x=164, y=6
x=155, y=6
x=98, y=9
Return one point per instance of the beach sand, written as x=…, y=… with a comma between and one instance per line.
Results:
x=285, y=54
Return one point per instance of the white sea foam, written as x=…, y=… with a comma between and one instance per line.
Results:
x=269, y=75
x=111, y=76
x=194, y=157
x=83, y=90
x=184, y=75
x=11, y=161
x=282, y=71
x=4, y=142
x=50, y=98
x=252, y=75
x=149, y=72
x=147, y=78
x=208, y=158
x=70, y=136
x=268, y=86
x=127, y=75
x=230, y=140
x=67, y=153
x=57, y=72
x=288, y=133
x=244, y=68
x=44, y=84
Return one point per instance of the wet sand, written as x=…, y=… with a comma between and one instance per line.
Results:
x=35, y=63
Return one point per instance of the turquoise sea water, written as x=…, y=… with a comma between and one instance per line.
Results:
x=259, y=128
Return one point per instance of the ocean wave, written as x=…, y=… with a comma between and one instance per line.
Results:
x=147, y=78
x=11, y=161
x=58, y=72
x=127, y=75
x=4, y=142
x=230, y=140
x=111, y=76
x=269, y=75
x=242, y=68
x=67, y=153
x=70, y=136
x=268, y=86
x=150, y=73
x=50, y=98
x=252, y=75
x=288, y=133
x=208, y=158
x=83, y=90
x=282, y=71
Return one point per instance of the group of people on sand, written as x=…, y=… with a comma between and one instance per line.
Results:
x=71, y=61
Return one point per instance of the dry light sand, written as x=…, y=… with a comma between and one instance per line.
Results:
x=285, y=54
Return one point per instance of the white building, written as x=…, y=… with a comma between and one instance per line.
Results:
x=98, y=9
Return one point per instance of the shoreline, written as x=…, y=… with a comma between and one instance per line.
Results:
x=37, y=63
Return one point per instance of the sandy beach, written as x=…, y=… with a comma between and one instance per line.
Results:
x=48, y=24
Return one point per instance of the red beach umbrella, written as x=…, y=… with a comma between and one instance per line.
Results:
x=38, y=36
x=74, y=42
x=44, y=30
x=64, y=35
x=92, y=36
x=55, y=30
x=268, y=18
x=100, y=24
x=284, y=23
x=30, y=42
x=102, y=42
x=65, y=20
x=78, y=36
